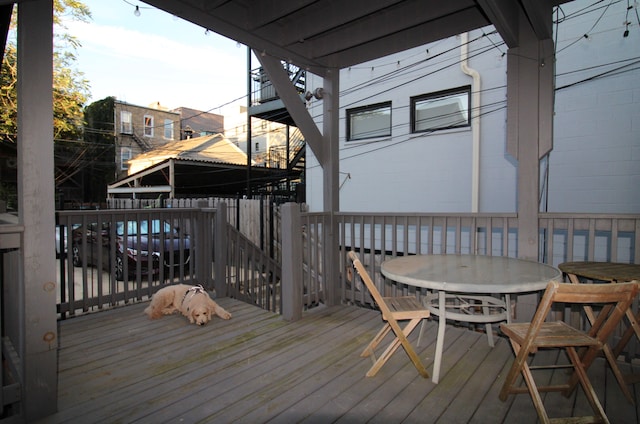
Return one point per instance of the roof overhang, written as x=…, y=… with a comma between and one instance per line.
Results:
x=318, y=35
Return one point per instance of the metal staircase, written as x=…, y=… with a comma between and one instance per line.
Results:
x=144, y=144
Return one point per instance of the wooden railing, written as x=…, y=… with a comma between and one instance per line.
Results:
x=252, y=272
x=589, y=237
x=201, y=248
x=252, y=276
x=378, y=236
x=110, y=258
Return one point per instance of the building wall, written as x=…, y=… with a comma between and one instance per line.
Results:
x=138, y=141
x=594, y=166
x=265, y=135
x=421, y=171
x=200, y=122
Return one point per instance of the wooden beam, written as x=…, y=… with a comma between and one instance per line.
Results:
x=292, y=101
x=136, y=190
x=504, y=16
x=539, y=16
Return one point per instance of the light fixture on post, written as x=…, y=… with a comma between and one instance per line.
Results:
x=318, y=93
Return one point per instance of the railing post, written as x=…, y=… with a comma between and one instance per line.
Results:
x=331, y=252
x=220, y=255
x=291, y=262
x=203, y=258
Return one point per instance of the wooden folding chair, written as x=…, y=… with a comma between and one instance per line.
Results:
x=610, y=354
x=393, y=309
x=527, y=338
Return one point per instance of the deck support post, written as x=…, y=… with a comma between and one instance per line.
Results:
x=530, y=97
x=38, y=341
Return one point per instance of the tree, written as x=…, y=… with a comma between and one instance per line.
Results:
x=70, y=92
x=99, y=134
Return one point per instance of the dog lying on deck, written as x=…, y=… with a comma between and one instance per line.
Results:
x=191, y=301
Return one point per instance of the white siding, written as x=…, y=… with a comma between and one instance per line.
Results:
x=595, y=164
x=422, y=172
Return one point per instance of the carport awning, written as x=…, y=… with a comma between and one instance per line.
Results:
x=202, y=166
x=184, y=177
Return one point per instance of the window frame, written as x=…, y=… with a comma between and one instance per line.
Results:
x=147, y=128
x=439, y=95
x=128, y=121
x=350, y=113
x=168, y=126
x=124, y=166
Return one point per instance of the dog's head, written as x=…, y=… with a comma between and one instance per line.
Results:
x=199, y=314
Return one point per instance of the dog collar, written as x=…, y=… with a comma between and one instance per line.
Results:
x=194, y=291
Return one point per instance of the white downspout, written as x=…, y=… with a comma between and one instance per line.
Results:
x=475, y=121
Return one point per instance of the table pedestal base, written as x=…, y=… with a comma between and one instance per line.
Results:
x=464, y=307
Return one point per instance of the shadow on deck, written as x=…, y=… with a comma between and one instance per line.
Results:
x=118, y=366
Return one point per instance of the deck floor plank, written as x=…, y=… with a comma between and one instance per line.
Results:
x=117, y=366
x=283, y=369
x=240, y=377
x=383, y=387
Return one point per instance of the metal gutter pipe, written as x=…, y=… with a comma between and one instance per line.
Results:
x=475, y=121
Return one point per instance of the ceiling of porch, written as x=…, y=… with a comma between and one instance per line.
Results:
x=322, y=34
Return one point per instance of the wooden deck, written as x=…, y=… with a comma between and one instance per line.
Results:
x=118, y=367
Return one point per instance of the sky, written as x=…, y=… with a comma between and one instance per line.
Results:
x=157, y=57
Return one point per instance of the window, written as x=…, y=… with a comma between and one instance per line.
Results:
x=369, y=121
x=148, y=126
x=441, y=110
x=125, y=122
x=125, y=156
x=168, y=129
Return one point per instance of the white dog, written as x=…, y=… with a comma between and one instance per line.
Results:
x=191, y=301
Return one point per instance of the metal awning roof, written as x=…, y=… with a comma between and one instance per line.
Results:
x=208, y=165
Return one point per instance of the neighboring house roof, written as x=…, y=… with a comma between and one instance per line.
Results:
x=211, y=148
x=209, y=165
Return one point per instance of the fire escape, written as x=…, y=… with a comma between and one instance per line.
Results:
x=290, y=157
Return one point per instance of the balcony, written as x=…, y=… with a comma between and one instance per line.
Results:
x=285, y=357
x=265, y=103
x=117, y=366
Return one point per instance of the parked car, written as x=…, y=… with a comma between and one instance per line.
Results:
x=58, y=241
x=145, y=245
x=65, y=239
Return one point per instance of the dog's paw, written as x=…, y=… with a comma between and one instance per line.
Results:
x=223, y=313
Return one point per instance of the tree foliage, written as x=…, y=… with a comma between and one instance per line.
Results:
x=70, y=88
x=70, y=93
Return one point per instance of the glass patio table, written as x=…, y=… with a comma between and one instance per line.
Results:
x=463, y=285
